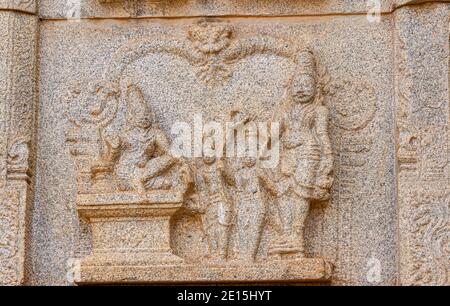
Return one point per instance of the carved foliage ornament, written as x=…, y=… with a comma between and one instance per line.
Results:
x=353, y=104
x=430, y=237
x=210, y=49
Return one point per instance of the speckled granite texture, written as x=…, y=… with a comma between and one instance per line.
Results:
x=92, y=190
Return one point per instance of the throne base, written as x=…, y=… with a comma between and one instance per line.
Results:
x=306, y=270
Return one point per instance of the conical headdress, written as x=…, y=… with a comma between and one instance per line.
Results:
x=137, y=108
x=306, y=63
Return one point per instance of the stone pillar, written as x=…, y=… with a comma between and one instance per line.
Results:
x=422, y=118
x=18, y=97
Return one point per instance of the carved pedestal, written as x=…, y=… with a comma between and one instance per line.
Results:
x=306, y=270
x=130, y=229
x=131, y=244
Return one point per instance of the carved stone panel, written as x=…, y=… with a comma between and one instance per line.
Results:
x=127, y=201
x=18, y=33
x=422, y=61
x=225, y=141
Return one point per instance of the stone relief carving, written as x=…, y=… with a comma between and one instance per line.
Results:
x=354, y=104
x=139, y=156
x=17, y=110
x=408, y=137
x=135, y=160
x=306, y=157
x=212, y=181
x=210, y=48
x=130, y=168
x=18, y=159
x=208, y=42
x=96, y=106
x=422, y=155
x=250, y=189
x=131, y=174
x=430, y=228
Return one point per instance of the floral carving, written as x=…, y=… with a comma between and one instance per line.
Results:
x=353, y=105
x=209, y=40
x=422, y=157
x=430, y=240
x=18, y=158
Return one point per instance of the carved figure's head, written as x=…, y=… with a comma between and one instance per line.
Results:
x=250, y=161
x=304, y=83
x=138, y=113
x=209, y=159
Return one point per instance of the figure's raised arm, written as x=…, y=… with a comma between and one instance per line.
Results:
x=226, y=172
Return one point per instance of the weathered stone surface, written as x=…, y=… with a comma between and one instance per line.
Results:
x=197, y=8
x=18, y=33
x=29, y=6
x=300, y=270
x=422, y=63
x=346, y=102
x=176, y=91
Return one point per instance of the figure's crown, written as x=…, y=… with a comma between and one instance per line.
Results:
x=306, y=62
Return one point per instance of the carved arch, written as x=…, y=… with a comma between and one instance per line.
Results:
x=184, y=49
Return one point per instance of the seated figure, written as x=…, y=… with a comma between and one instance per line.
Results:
x=140, y=153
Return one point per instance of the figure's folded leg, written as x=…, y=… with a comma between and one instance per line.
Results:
x=157, y=167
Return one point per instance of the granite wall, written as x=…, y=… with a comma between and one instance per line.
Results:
x=385, y=73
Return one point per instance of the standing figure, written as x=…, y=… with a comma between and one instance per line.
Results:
x=306, y=158
x=218, y=212
x=141, y=152
x=250, y=208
